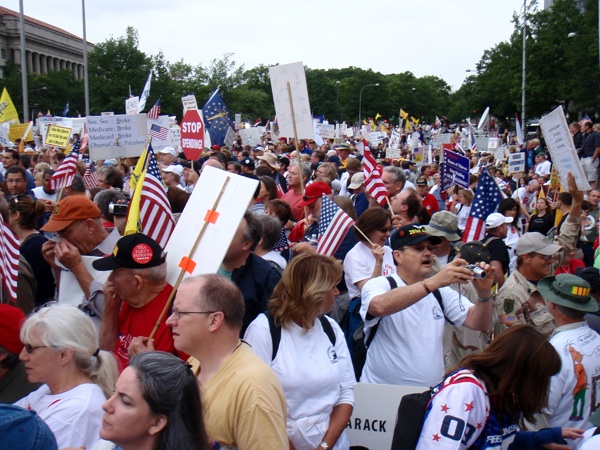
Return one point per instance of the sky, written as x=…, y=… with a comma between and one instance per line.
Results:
x=427, y=37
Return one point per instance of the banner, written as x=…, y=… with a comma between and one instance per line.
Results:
x=117, y=135
x=456, y=170
x=516, y=163
x=58, y=136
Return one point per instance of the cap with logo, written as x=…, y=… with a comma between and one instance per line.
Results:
x=69, y=210
x=535, y=242
x=411, y=235
x=421, y=181
x=134, y=251
x=247, y=162
x=568, y=290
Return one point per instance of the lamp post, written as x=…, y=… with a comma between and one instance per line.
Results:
x=86, y=86
x=524, y=77
x=35, y=104
x=360, y=102
x=23, y=62
x=337, y=99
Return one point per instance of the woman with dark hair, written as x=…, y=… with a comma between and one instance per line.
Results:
x=542, y=220
x=311, y=359
x=509, y=207
x=156, y=405
x=493, y=394
x=268, y=189
x=22, y=214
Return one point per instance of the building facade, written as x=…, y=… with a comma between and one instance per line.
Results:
x=48, y=48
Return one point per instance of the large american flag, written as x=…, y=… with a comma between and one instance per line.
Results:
x=473, y=143
x=159, y=132
x=90, y=177
x=584, y=119
x=9, y=259
x=487, y=197
x=373, y=183
x=334, y=223
x=156, y=217
x=155, y=110
x=63, y=177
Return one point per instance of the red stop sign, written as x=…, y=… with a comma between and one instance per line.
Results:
x=192, y=134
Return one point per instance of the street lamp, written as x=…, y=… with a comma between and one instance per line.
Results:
x=524, y=77
x=34, y=104
x=360, y=102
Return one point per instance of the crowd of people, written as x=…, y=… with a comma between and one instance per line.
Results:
x=266, y=352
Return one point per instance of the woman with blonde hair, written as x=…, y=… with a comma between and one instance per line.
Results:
x=60, y=349
x=310, y=358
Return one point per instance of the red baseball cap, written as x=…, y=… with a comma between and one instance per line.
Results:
x=314, y=191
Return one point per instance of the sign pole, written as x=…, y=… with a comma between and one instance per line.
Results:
x=289, y=89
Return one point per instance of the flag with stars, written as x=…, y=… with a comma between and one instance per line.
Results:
x=90, y=177
x=487, y=197
x=155, y=110
x=372, y=182
x=334, y=223
x=64, y=175
x=159, y=132
x=282, y=243
x=217, y=118
x=9, y=260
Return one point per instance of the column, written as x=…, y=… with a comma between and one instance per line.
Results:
x=29, y=62
x=44, y=64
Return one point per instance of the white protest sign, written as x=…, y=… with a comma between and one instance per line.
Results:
x=374, y=415
x=500, y=153
x=560, y=144
x=414, y=140
x=493, y=143
x=189, y=102
x=291, y=75
x=392, y=153
x=157, y=142
x=238, y=121
x=250, y=136
x=318, y=139
x=114, y=136
x=442, y=138
x=377, y=137
x=326, y=131
x=222, y=223
x=395, y=138
x=349, y=132
x=230, y=137
x=175, y=136
x=516, y=162
x=132, y=105
x=482, y=143
x=429, y=154
x=4, y=135
x=42, y=123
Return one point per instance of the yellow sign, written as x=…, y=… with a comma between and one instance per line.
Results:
x=58, y=136
x=17, y=130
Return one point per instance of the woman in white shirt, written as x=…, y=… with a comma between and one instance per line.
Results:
x=60, y=349
x=311, y=359
x=462, y=207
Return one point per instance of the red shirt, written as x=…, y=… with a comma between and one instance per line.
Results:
x=134, y=322
x=293, y=200
x=431, y=204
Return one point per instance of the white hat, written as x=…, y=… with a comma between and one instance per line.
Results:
x=496, y=219
x=357, y=180
x=169, y=150
x=174, y=168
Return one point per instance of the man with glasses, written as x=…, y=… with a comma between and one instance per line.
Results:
x=241, y=396
x=16, y=183
x=409, y=318
x=135, y=294
x=77, y=224
x=518, y=300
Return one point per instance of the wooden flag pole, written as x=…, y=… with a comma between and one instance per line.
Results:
x=189, y=256
x=289, y=89
x=363, y=234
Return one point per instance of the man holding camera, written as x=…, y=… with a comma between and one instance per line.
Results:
x=409, y=319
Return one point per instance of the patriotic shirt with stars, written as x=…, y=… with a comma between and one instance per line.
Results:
x=459, y=418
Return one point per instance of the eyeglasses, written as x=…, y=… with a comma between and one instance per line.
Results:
x=64, y=233
x=177, y=314
x=385, y=230
x=309, y=197
x=420, y=248
x=31, y=348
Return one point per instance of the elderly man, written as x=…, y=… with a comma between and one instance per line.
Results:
x=519, y=300
x=243, y=401
x=167, y=157
x=395, y=181
x=408, y=312
x=77, y=223
x=573, y=390
x=135, y=294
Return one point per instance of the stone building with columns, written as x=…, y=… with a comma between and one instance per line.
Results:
x=48, y=48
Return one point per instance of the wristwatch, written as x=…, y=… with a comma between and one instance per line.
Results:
x=324, y=445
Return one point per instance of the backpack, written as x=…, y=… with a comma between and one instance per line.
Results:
x=360, y=347
x=276, y=332
x=413, y=410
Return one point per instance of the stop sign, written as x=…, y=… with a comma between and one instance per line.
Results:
x=192, y=134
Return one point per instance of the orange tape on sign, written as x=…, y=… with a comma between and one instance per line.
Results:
x=211, y=216
x=187, y=264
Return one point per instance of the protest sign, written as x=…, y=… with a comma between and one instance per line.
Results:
x=192, y=134
x=289, y=79
x=442, y=138
x=131, y=105
x=230, y=137
x=493, y=143
x=456, y=170
x=58, y=136
x=500, y=153
x=17, y=131
x=161, y=140
x=392, y=153
x=373, y=419
x=4, y=127
x=560, y=144
x=175, y=135
x=222, y=224
x=349, y=132
x=482, y=143
x=238, y=121
x=250, y=136
x=418, y=156
x=414, y=140
x=395, y=138
x=117, y=136
x=516, y=163
x=189, y=102
x=326, y=131
x=377, y=137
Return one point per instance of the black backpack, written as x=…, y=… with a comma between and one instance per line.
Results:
x=360, y=347
x=276, y=332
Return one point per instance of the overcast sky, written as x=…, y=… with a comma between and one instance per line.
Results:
x=426, y=37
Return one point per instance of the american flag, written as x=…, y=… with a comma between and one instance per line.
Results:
x=156, y=217
x=473, y=143
x=9, y=259
x=155, y=110
x=282, y=243
x=585, y=118
x=159, y=132
x=334, y=223
x=63, y=177
x=90, y=177
x=373, y=183
x=487, y=197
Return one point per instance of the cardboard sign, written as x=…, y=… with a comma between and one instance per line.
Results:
x=230, y=137
x=17, y=130
x=456, y=170
x=58, y=136
x=157, y=142
x=395, y=138
x=250, y=136
x=189, y=102
x=192, y=134
x=418, y=156
x=238, y=121
x=219, y=232
x=374, y=415
x=291, y=75
x=117, y=135
x=326, y=131
x=439, y=139
x=132, y=105
x=560, y=144
x=516, y=163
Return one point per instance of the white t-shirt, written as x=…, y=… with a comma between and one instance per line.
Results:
x=589, y=441
x=463, y=216
x=407, y=348
x=543, y=169
x=512, y=237
x=527, y=199
x=40, y=194
x=314, y=375
x=579, y=349
x=75, y=416
x=276, y=258
x=359, y=263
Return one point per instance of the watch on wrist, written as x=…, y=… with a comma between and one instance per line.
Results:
x=324, y=445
